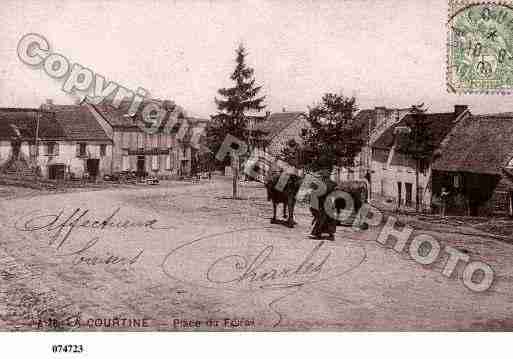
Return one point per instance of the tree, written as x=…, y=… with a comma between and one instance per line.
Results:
x=333, y=138
x=418, y=143
x=231, y=116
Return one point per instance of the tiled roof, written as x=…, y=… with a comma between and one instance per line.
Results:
x=438, y=125
x=78, y=122
x=119, y=117
x=276, y=123
x=478, y=144
x=22, y=123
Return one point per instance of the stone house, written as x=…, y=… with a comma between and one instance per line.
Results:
x=167, y=152
x=270, y=135
x=476, y=166
x=55, y=142
x=280, y=129
x=393, y=171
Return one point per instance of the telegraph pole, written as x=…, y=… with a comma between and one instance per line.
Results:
x=417, y=111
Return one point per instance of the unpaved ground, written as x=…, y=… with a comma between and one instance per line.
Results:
x=185, y=268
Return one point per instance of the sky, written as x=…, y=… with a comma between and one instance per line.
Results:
x=385, y=53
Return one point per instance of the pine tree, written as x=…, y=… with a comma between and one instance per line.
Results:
x=232, y=108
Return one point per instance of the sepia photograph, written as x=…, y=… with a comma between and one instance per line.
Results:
x=255, y=166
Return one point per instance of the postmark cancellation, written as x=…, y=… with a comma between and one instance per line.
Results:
x=480, y=47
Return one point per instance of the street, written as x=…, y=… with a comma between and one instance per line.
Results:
x=184, y=256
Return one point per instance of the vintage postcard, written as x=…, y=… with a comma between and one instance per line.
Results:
x=256, y=166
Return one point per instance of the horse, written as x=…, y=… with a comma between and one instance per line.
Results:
x=287, y=196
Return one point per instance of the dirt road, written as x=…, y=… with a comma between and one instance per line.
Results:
x=186, y=257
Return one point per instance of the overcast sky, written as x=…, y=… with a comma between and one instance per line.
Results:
x=389, y=53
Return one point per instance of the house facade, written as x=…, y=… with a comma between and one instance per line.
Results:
x=54, y=142
x=371, y=124
x=476, y=166
x=271, y=134
x=282, y=129
x=394, y=173
x=166, y=152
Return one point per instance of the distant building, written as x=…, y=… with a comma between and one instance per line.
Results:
x=54, y=142
x=371, y=124
x=275, y=132
x=393, y=172
x=167, y=152
x=279, y=130
x=476, y=166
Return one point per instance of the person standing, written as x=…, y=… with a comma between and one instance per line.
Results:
x=444, y=196
x=322, y=221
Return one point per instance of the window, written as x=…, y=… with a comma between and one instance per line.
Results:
x=103, y=150
x=169, y=160
x=125, y=161
x=52, y=148
x=82, y=150
x=33, y=150
x=409, y=196
x=155, y=162
x=457, y=181
x=304, y=131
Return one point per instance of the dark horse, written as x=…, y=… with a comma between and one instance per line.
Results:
x=287, y=196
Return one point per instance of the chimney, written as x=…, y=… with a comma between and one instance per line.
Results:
x=459, y=109
x=47, y=105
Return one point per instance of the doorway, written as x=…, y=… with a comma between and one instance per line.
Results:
x=56, y=172
x=409, y=197
x=93, y=167
x=16, y=146
x=141, y=166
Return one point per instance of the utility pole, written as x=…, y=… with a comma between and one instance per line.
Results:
x=418, y=112
x=416, y=165
x=36, y=142
x=235, y=170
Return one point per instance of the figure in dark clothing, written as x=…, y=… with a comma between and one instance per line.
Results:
x=323, y=223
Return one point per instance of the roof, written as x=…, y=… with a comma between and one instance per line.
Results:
x=277, y=122
x=118, y=117
x=478, y=144
x=368, y=118
x=78, y=122
x=363, y=120
x=438, y=125
x=22, y=123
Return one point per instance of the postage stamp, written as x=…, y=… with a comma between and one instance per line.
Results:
x=480, y=47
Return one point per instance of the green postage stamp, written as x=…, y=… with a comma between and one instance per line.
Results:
x=480, y=47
